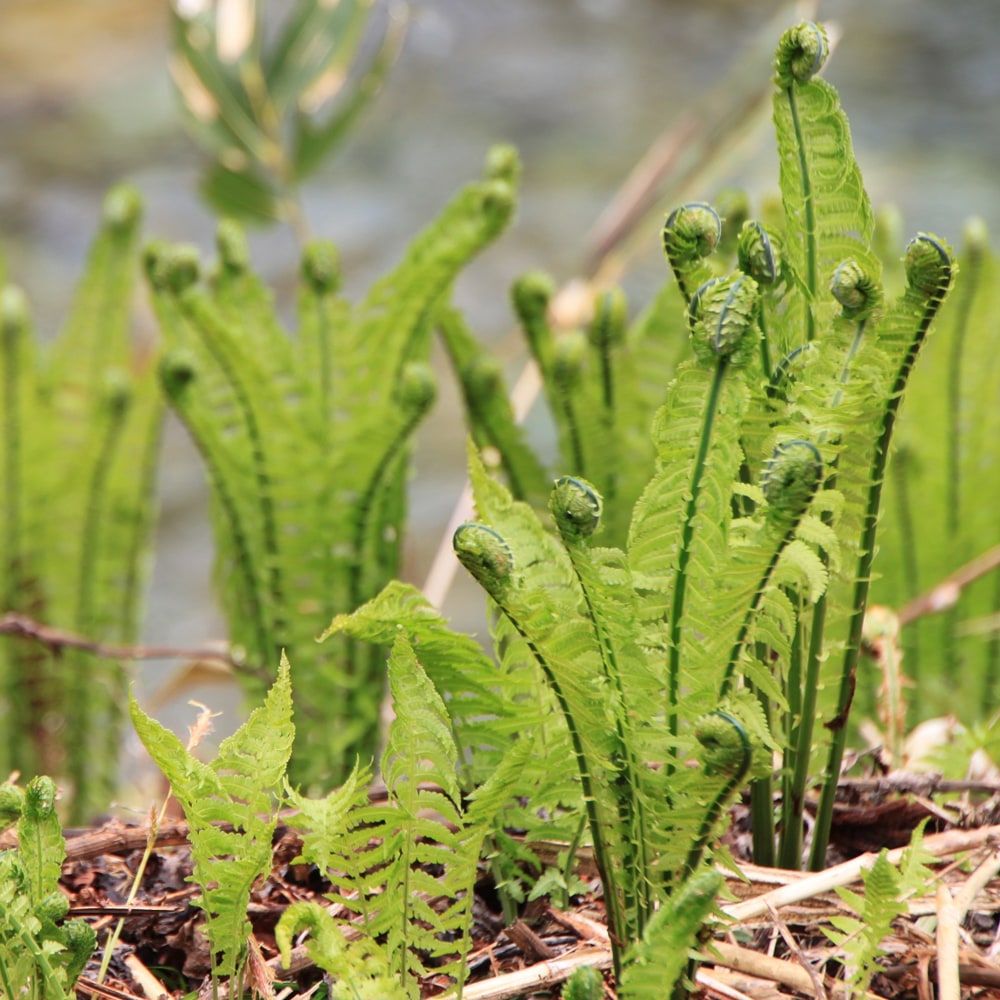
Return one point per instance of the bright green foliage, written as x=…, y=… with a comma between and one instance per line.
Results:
x=731, y=618
x=937, y=515
x=657, y=962
x=887, y=888
x=586, y=983
x=481, y=715
x=239, y=787
x=80, y=426
x=385, y=854
x=269, y=102
x=358, y=968
x=306, y=444
x=40, y=955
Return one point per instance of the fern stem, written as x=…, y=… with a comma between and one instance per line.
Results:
x=934, y=286
x=751, y=614
x=762, y=801
x=616, y=917
x=790, y=841
x=908, y=555
x=626, y=784
x=684, y=556
x=86, y=687
x=811, y=279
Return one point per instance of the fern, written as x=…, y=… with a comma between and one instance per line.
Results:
x=861, y=934
x=41, y=954
x=81, y=425
x=238, y=787
x=657, y=962
x=359, y=969
x=389, y=851
x=306, y=444
x=945, y=456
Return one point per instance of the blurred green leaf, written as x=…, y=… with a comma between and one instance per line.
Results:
x=269, y=95
x=241, y=193
x=319, y=40
x=315, y=141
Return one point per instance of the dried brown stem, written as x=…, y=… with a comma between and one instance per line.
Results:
x=20, y=626
x=946, y=593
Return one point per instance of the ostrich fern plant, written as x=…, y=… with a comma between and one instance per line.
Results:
x=80, y=434
x=723, y=615
x=306, y=443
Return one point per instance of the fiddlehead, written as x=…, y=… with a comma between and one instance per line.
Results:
x=791, y=477
x=690, y=234
x=726, y=750
x=802, y=51
x=576, y=508
x=758, y=253
x=858, y=293
x=486, y=555
x=722, y=316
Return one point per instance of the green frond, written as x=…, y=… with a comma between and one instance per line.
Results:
x=77, y=474
x=358, y=968
x=861, y=936
x=239, y=787
x=455, y=664
x=656, y=964
x=487, y=407
x=828, y=218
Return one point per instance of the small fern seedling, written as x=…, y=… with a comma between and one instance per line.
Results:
x=41, y=954
x=240, y=787
x=887, y=888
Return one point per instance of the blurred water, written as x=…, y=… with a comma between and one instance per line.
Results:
x=582, y=87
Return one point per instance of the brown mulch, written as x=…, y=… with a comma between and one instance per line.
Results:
x=773, y=948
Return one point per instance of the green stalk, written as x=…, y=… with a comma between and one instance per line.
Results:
x=929, y=270
x=486, y=555
x=86, y=687
x=810, y=277
x=790, y=841
x=617, y=923
x=762, y=801
x=576, y=508
x=684, y=554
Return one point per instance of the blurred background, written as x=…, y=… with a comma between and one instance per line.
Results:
x=583, y=88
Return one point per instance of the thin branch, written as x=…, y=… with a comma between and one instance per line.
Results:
x=946, y=594
x=20, y=626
